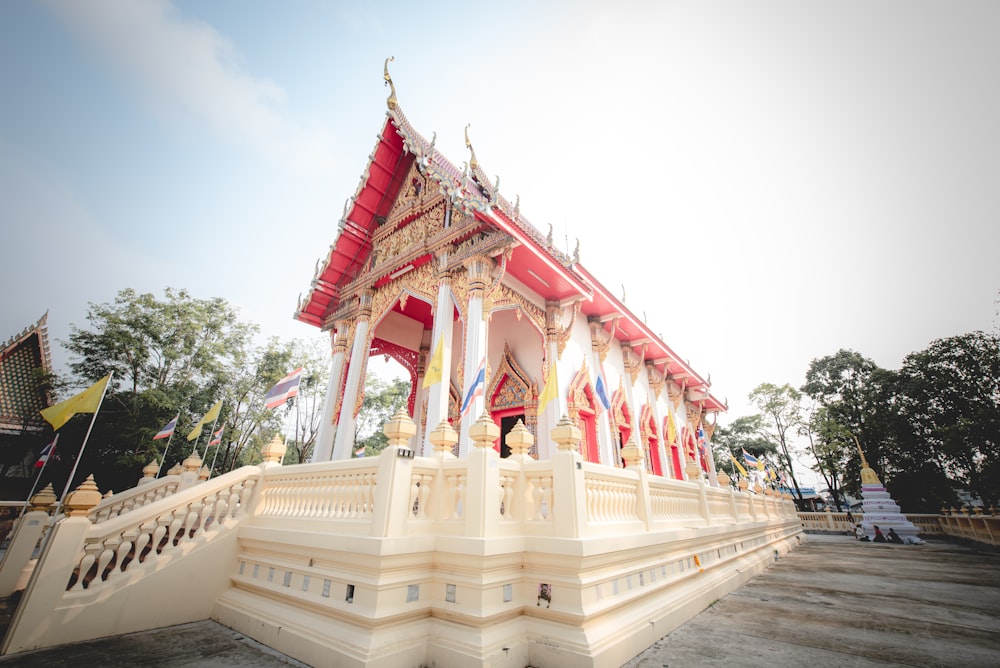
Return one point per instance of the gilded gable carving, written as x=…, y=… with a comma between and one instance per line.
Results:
x=414, y=195
x=510, y=388
x=392, y=241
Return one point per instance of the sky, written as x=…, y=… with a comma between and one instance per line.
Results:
x=767, y=182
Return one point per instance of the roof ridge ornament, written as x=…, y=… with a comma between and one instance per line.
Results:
x=391, y=100
x=473, y=162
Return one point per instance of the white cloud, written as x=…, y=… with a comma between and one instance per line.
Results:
x=180, y=67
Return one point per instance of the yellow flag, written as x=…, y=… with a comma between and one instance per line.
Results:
x=209, y=417
x=551, y=389
x=85, y=402
x=671, y=429
x=435, y=369
x=739, y=466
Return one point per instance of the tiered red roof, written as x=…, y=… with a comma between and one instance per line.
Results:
x=534, y=262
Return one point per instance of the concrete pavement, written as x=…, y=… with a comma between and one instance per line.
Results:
x=836, y=601
x=832, y=602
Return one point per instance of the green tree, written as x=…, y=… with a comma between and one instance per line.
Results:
x=856, y=398
x=948, y=399
x=831, y=445
x=743, y=433
x=781, y=409
x=175, y=355
x=382, y=400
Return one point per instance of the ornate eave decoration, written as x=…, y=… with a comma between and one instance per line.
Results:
x=620, y=412
x=408, y=359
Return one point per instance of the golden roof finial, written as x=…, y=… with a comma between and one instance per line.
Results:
x=473, y=163
x=391, y=100
x=868, y=475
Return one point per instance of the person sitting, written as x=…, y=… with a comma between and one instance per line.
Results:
x=879, y=536
x=893, y=537
x=859, y=532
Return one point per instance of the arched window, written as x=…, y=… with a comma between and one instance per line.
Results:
x=511, y=398
x=583, y=408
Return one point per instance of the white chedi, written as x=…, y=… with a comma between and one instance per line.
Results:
x=880, y=510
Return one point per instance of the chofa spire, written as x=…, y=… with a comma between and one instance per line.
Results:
x=391, y=100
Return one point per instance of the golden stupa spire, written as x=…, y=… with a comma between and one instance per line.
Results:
x=391, y=100
x=868, y=475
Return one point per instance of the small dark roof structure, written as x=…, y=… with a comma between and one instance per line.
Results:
x=24, y=359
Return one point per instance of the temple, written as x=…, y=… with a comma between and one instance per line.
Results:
x=24, y=362
x=547, y=496
x=431, y=261
x=24, y=359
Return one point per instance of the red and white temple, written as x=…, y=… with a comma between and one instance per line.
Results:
x=598, y=534
x=430, y=255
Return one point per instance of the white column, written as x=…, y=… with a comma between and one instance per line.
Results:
x=628, y=362
x=598, y=349
x=556, y=409
x=343, y=445
x=437, y=394
x=658, y=419
x=327, y=427
x=475, y=345
x=423, y=359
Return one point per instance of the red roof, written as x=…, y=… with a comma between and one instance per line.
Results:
x=534, y=261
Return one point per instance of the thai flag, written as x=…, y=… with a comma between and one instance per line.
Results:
x=167, y=430
x=602, y=392
x=286, y=388
x=702, y=445
x=749, y=459
x=360, y=452
x=216, y=437
x=44, y=455
x=476, y=389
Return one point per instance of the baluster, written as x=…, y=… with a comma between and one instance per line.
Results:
x=243, y=497
x=125, y=554
x=142, y=540
x=547, y=497
x=91, y=550
x=104, y=563
x=369, y=492
x=355, y=498
x=455, y=494
x=536, y=498
x=508, y=496
x=462, y=490
x=426, y=482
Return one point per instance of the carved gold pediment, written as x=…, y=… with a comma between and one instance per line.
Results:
x=510, y=387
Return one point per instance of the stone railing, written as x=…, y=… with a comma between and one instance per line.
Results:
x=974, y=527
x=978, y=528
x=397, y=494
x=137, y=497
x=112, y=559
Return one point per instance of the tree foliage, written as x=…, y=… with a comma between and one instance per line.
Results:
x=382, y=399
x=175, y=355
x=930, y=427
x=744, y=433
x=781, y=411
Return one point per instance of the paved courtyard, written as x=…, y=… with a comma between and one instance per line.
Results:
x=832, y=602
x=835, y=601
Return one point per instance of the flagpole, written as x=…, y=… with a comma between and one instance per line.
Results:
x=167, y=447
x=218, y=446
x=211, y=433
x=79, y=455
x=38, y=478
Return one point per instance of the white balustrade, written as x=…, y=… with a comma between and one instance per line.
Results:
x=135, y=540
